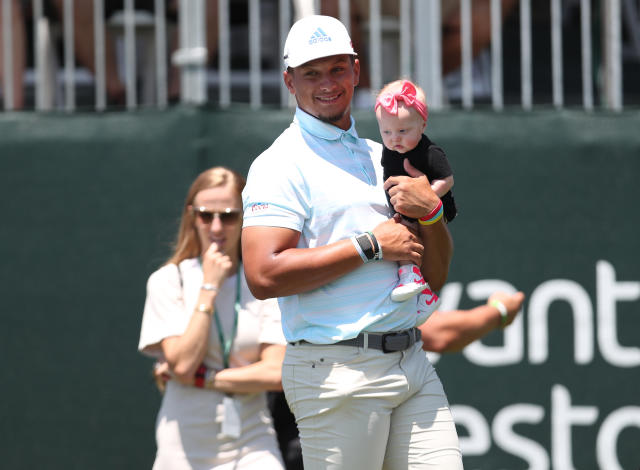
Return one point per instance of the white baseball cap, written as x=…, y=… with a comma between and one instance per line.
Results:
x=316, y=36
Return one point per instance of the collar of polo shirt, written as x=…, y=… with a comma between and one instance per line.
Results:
x=323, y=129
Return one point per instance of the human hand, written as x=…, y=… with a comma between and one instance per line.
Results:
x=161, y=374
x=216, y=266
x=512, y=302
x=398, y=241
x=411, y=195
x=442, y=186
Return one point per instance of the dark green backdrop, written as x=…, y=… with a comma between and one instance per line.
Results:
x=89, y=209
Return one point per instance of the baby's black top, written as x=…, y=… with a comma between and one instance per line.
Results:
x=429, y=159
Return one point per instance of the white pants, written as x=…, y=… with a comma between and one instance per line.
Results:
x=363, y=409
x=188, y=432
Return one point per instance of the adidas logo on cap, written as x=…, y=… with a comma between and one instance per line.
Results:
x=319, y=36
x=313, y=37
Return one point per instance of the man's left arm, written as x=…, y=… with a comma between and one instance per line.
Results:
x=438, y=251
x=413, y=197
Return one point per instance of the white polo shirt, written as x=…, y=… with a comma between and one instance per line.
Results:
x=326, y=183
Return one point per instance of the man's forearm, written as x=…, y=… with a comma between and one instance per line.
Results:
x=299, y=270
x=275, y=268
x=452, y=331
x=438, y=251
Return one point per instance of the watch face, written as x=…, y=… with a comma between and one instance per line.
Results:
x=204, y=308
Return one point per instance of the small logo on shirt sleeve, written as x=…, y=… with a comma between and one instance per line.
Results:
x=259, y=206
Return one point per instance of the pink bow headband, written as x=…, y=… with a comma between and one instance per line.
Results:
x=389, y=101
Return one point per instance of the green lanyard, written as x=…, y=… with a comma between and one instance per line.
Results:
x=225, y=345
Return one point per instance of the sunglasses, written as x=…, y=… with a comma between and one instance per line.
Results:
x=226, y=216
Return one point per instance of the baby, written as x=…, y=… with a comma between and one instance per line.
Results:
x=401, y=112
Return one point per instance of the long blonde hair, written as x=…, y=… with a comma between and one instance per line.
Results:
x=188, y=244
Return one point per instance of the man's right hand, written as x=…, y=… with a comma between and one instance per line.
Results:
x=399, y=242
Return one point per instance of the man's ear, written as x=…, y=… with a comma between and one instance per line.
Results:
x=356, y=72
x=288, y=81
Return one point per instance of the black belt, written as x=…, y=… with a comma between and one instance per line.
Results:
x=386, y=342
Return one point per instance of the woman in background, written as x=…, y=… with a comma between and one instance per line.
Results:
x=222, y=348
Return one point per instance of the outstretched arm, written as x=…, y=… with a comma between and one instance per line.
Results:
x=452, y=331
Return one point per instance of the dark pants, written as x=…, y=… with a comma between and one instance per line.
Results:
x=286, y=429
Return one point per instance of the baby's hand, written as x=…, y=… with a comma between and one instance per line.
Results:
x=443, y=186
